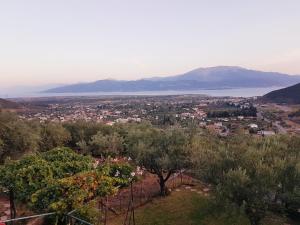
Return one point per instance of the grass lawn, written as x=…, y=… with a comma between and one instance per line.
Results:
x=186, y=207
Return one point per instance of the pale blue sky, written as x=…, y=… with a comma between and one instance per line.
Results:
x=67, y=41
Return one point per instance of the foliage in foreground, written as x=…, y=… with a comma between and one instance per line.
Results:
x=72, y=192
x=60, y=180
x=257, y=175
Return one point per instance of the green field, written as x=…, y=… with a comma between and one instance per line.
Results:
x=186, y=207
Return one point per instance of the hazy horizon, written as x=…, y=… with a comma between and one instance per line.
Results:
x=71, y=41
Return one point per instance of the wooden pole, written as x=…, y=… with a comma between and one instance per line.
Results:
x=132, y=205
x=180, y=176
x=106, y=205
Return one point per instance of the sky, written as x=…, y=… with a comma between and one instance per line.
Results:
x=69, y=41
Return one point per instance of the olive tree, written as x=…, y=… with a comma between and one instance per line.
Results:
x=17, y=136
x=251, y=173
x=106, y=145
x=160, y=152
x=53, y=135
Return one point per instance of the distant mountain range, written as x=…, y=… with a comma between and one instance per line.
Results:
x=221, y=77
x=286, y=95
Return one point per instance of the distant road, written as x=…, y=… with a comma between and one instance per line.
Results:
x=280, y=129
x=260, y=116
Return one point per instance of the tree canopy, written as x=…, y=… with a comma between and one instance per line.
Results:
x=161, y=152
x=254, y=173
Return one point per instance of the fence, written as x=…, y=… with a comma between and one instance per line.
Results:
x=71, y=219
x=39, y=219
x=26, y=219
x=143, y=192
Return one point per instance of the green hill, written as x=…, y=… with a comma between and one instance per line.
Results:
x=286, y=95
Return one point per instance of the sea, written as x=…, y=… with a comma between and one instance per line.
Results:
x=237, y=92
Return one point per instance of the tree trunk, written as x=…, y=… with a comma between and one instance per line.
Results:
x=254, y=217
x=13, y=211
x=254, y=221
x=162, y=184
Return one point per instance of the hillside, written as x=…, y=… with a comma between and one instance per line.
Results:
x=286, y=95
x=6, y=104
x=221, y=77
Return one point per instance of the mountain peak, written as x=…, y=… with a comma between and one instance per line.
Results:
x=219, y=68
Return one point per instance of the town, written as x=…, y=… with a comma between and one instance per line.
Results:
x=221, y=115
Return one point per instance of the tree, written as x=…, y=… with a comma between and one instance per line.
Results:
x=121, y=172
x=17, y=136
x=26, y=176
x=53, y=135
x=106, y=145
x=252, y=173
x=64, y=162
x=68, y=193
x=83, y=131
x=79, y=190
x=23, y=178
x=239, y=188
x=160, y=152
x=1, y=147
x=83, y=147
x=61, y=180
